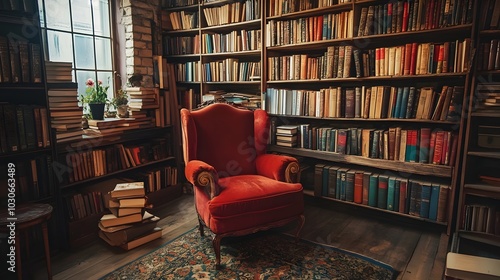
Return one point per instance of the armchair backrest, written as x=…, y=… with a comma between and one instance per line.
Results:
x=225, y=137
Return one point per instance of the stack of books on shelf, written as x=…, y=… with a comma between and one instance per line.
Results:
x=114, y=126
x=65, y=113
x=142, y=103
x=128, y=225
x=286, y=135
x=488, y=96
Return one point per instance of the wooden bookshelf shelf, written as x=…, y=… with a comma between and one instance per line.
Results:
x=255, y=53
x=111, y=174
x=487, y=238
x=486, y=114
x=181, y=8
x=311, y=46
x=215, y=3
x=256, y=83
x=489, y=33
x=29, y=153
x=22, y=87
x=483, y=189
x=397, y=166
x=250, y=24
x=391, y=120
x=181, y=32
x=313, y=12
x=489, y=154
x=190, y=57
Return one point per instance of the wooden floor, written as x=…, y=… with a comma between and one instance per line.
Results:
x=416, y=252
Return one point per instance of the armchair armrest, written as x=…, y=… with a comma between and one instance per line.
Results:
x=278, y=167
x=204, y=176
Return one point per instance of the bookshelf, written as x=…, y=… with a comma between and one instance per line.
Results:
x=26, y=143
x=321, y=59
x=478, y=216
x=216, y=48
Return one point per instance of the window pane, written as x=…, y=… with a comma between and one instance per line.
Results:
x=101, y=17
x=107, y=80
x=103, y=53
x=84, y=52
x=57, y=12
x=82, y=17
x=60, y=46
x=81, y=78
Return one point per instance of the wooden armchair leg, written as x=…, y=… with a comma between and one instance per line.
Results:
x=302, y=220
x=216, y=244
x=201, y=227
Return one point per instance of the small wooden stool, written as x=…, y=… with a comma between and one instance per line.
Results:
x=25, y=217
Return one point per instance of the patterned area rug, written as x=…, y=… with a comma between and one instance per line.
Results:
x=267, y=255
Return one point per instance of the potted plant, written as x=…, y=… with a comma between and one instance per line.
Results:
x=96, y=98
x=120, y=102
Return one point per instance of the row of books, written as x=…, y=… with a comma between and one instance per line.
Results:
x=482, y=218
x=376, y=102
x=422, y=145
x=188, y=98
x=347, y=61
x=157, y=179
x=23, y=128
x=27, y=6
x=490, y=14
x=489, y=55
x=230, y=69
x=187, y=72
x=235, y=41
x=413, y=197
x=232, y=13
x=177, y=3
x=309, y=29
x=183, y=20
x=98, y=162
x=181, y=45
x=128, y=226
x=82, y=205
x=33, y=178
x=20, y=61
x=279, y=7
x=404, y=16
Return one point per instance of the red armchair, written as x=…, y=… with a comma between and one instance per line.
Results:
x=238, y=188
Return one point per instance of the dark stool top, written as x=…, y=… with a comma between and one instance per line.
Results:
x=25, y=215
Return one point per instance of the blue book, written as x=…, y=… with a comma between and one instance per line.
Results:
x=391, y=186
x=411, y=104
x=399, y=100
x=372, y=190
x=324, y=181
x=425, y=196
x=397, y=194
x=333, y=140
x=433, y=202
x=343, y=184
x=404, y=103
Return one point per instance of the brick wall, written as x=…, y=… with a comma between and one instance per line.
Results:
x=139, y=18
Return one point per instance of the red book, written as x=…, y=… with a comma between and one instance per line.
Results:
x=403, y=191
x=377, y=61
x=447, y=148
x=432, y=144
x=438, y=147
x=358, y=187
x=404, y=26
x=319, y=28
x=413, y=55
x=446, y=142
x=446, y=54
x=407, y=59
x=430, y=15
x=453, y=152
x=424, y=145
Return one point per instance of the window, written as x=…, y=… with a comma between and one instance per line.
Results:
x=78, y=31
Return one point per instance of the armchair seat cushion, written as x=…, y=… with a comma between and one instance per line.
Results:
x=247, y=201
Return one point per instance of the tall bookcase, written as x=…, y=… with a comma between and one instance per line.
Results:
x=478, y=214
x=215, y=46
x=375, y=88
x=26, y=154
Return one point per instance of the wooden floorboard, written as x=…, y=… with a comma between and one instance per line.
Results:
x=416, y=253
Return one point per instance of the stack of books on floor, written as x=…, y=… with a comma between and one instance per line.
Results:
x=129, y=224
x=65, y=114
x=142, y=103
x=286, y=135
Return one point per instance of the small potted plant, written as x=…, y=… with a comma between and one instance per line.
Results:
x=120, y=102
x=96, y=98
